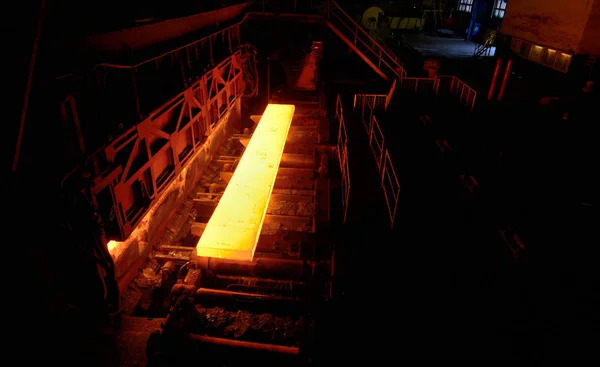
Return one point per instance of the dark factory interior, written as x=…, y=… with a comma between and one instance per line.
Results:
x=303, y=182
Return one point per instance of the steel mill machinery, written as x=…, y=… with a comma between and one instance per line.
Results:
x=206, y=210
x=261, y=266
x=244, y=260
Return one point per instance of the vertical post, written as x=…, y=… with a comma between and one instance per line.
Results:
x=505, y=79
x=383, y=166
x=381, y=158
x=36, y=41
x=495, y=78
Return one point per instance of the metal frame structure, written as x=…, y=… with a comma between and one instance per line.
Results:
x=378, y=56
x=159, y=147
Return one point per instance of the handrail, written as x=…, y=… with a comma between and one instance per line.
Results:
x=390, y=94
x=385, y=167
x=393, y=63
x=393, y=184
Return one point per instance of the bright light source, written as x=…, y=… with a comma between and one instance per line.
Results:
x=233, y=230
x=112, y=245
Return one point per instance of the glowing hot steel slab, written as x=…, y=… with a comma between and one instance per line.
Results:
x=233, y=230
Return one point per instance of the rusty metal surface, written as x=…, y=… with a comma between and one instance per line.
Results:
x=147, y=35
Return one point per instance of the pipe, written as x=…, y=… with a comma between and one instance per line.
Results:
x=230, y=280
x=260, y=267
x=244, y=344
x=221, y=293
x=495, y=79
x=505, y=79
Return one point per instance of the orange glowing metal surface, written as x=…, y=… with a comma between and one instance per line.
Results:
x=233, y=230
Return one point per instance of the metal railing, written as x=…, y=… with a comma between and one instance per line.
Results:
x=385, y=167
x=379, y=54
x=376, y=140
x=421, y=85
x=458, y=89
x=378, y=101
x=444, y=84
x=367, y=106
x=391, y=186
x=342, y=150
x=390, y=94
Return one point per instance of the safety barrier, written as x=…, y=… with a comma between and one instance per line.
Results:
x=421, y=85
x=391, y=186
x=367, y=106
x=390, y=94
x=376, y=141
x=442, y=85
x=378, y=101
x=378, y=54
x=455, y=87
x=389, y=180
x=376, y=51
x=342, y=150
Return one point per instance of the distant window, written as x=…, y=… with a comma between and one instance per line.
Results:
x=499, y=9
x=465, y=5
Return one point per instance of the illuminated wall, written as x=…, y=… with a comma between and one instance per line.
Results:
x=558, y=24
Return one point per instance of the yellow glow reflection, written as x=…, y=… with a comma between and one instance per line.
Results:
x=112, y=246
x=233, y=230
